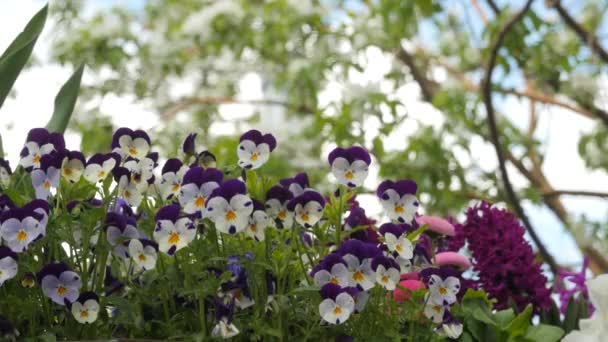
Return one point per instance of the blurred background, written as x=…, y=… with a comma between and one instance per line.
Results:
x=401, y=77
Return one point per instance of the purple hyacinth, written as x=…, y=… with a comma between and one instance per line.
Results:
x=59, y=283
x=578, y=281
x=503, y=259
x=350, y=165
x=399, y=199
x=254, y=149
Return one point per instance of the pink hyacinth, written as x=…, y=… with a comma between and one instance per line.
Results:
x=453, y=259
x=437, y=225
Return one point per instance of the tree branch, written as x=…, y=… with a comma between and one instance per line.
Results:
x=493, y=6
x=495, y=138
x=428, y=87
x=575, y=193
x=587, y=37
x=479, y=11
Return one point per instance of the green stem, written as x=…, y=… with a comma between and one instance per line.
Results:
x=338, y=224
x=201, y=315
x=299, y=255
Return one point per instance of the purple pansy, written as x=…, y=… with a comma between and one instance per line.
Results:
x=332, y=269
x=396, y=240
x=72, y=167
x=197, y=186
x=338, y=303
x=188, y=146
x=21, y=226
x=254, y=149
x=387, y=271
x=450, y=327
x=358, y=257
x=86, y=308
x=173, y=232
x=128, y=190
x=297, y=184
x=142, y=170
x=5, y=171
x=224, y=310
x=46, y=177
x=206, y=160
x=258, y=221
x=307, y=208
x=443, y=284
x=39, y=143
x=130, y=143
x=142, y=253
x=8, y=264
x=277, y=198
x=118, y=229
x=100, y=165
x=5, y=203
x=59, y=283
x=172, y=176
x=350, y=165
x=399, y=199
x=229, y=207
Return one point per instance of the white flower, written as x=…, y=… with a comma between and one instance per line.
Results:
x=129, y=191
x=351, y=174
x=136, y=148
x=434, y=310
x=8, y=269
x=401, y=245
x=309, y=214
x=277, y=210
x=141, y=172
x=443, y=290
x=338, y=311
x=405, y=265
x=361, y=273
x=173, y=236
x=232, y=216
x=35, y=153
x=399, y=208
x=144, y=257
x=95, y=172
x=171, y=182
x=224, y=329
x=18, y=234
x=451, y=330
x=241, y=300
x=85, y=313
x=5, y=177
x=44, y=181
x=193, y=199
x=258, y=222
x=339, y=275
x=387, y=278
x=595, y=328
x=72, y=170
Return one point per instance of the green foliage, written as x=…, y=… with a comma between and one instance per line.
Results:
x=65, y=101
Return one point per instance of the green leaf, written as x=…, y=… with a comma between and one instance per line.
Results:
x=65, y=102
x=1, y=149
x=18, y=53
x=520, y=324
x=571, y=317
x=544, y=332
x=414, y=235
x=504, y=318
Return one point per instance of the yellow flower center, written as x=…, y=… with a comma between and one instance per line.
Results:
x=84, y=314
x=348, y=175
x=68, y=171
x=36, y=158
x=47, y=184
x=282, y=214
x=173, y=238
x=399, y=248
x=254, y=157
x=399, y=209
x=358, y=276
x=127, y=194
x=101, y=174
x=384, y=279
x=200, y=201
x=230, y=215
x=61, y=290
x=175, y=187
x=22, y=235
x=253, y=228
x=437, y=308
x=142, y=257
x=334, y=281
x=443, y=291
x=305, y=217
x=132, y=151
x=337, y=310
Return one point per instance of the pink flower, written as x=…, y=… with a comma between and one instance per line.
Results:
x=437, y=225
x=454, y=259
x=412, y=285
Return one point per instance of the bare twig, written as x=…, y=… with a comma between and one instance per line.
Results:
x=479, y=11
x=495, y=138
x=427, y=86
x=493, y=6
x=576, y=193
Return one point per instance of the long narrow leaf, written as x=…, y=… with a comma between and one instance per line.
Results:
x=17, y=54
x=1, y=149
x=65, y=102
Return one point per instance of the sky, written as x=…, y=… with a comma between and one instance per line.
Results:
x=558, y=128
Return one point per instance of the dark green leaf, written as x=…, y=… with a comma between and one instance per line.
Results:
x=520, y=324
x=65, y=102
x=18, y=53
x=544, y=332
x=571, y=318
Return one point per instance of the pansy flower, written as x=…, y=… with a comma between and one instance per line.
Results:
x=118, y=229
x=338, y=303
x=19, y=227
x=229, y=207
x=197, y=186
x=399, y=200
x=128, y=190
x=86, y=308
x=297, y=185
x=224, y=311
x=143, y=253
x=277, y=198
x=396, y=240
x=307, y=208
x=254, y=149
x=40, y=211
x=100, y=165
x=172, y=175
x=332, y=269
x=349, y=165
x=387, y=272
x=46, y=177
x=188, y=146
x=59, y=283
x=8, y=264
x=435, y=310
x=130, y=143
x=206, y=160
x=39, y=143
x=443, y=284
x=258, y=222
x=6, y=203
x=173, y=232
x=5, y=171
x=142, y=170
x=72, y=167
x=358, y=257
x=450, y=327
x=238, y=286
